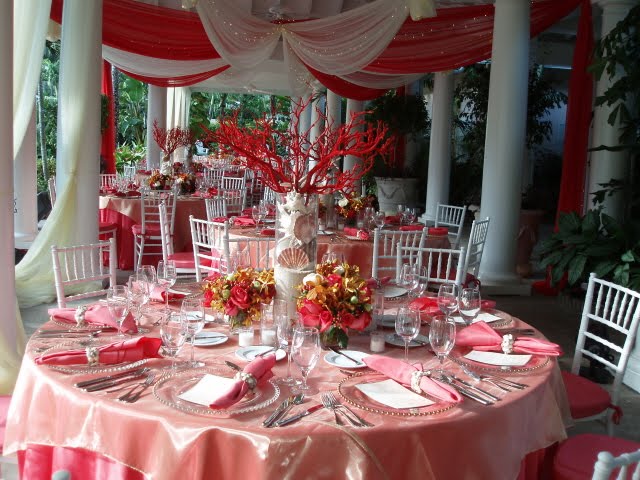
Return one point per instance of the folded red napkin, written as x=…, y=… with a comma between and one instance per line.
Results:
x=391, y=219
x=244, y=222
x=411, y=228
x=356, y=232
x=430, y=304
x=268, y=232
x=95, y=315
x=481, y=336
x=130, y=350
x=438, y=231
x=219, y=219
x=157, y=295
x=259, y=368
x=373, y=283
x=133, y=193
x=402, y=372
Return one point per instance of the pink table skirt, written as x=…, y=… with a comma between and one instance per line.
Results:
x=126, y=212
x=55, y=426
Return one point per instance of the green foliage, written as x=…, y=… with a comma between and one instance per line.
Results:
x=43, y=183
x=132, y=112
x=129, y=155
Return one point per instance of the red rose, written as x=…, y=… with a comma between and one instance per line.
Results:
x=231, y=310
x=326, y=320
x=239, y=297
x=208, y=297
x=334, y=279
x=361, y=321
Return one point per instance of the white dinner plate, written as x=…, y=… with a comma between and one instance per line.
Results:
x=250, y=353
x=209, y=339
x=326, y=232
x=392, y=291
x=337, y=360
x=395, y=339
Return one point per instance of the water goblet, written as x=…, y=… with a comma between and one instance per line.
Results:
x=243, y=258
x=421, y=284
x=409, y=215
x=305, y=350
x=173, y=336
x=379, y=219
x=284, y=332
x=192, y=317
x=448, y=298
x=166, y=277
x=442, y=337
x=409, y=277
x=469, y=303
x=118, y=304
x=258, y=215
x=138, y=294
x=407, y=327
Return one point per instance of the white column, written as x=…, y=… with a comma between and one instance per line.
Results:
x=440, y=145
x=156, y=110
x=304, y=126
x=606, y=165
x=9, y=329
x=79, y=112
x=505, y=139
x=334, y=109
x=317, y=120
x=26, y=188
x=350, y=161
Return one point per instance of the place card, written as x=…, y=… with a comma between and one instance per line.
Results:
x=482, y=317
x=392, y=394
x=208, y=389
x=495, y=358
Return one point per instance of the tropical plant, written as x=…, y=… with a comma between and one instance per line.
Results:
x=129, y=155
x=132, y=112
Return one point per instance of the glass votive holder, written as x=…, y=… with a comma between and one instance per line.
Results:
x=245, y=336
x=376, y=341
x=268, y=336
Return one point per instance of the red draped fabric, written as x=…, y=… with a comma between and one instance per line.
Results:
x=108, y=146
x=343, y=88
x=177, y=81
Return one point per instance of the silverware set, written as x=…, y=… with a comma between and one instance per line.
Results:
x=330, y=402
x=282, y=410
x=121, y=381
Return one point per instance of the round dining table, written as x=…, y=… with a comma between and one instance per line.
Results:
x=54, y=425
x=125, y=212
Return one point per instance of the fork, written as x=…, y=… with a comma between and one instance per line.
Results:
x=336, y=403
x=130, y=396
x=326, y=403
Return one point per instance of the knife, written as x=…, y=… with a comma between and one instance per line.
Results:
x=82, y=330
x=476, y=389
x=233, y=366
x=298, y=416
x=117, y=376
x=337, y=350
x=113, y=383
x=277, y=412
x=465, y=392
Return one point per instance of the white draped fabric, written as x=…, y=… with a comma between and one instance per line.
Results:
x=178, y=101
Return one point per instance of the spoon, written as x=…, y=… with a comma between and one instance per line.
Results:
x=297, y=400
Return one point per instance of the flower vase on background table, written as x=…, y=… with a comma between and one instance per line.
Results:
x=296, y=244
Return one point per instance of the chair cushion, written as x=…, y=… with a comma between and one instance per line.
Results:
x=4, y=411
x=577, y=455
x=586, y=398
x=183, y=259
x=107, y=226
x=152, y=230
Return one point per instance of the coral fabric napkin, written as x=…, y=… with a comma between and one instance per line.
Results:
x=359, y=233
x=481, y=336
x=244, y=222
x=268, y=232
x=373, y=283
x=126, y=351
x=401, y=372
x=391, y=219
x=411, y=228
x=438, y=231
x=157, y=295
x=96, y=315
x=260, y=368
x=219, y=219
x=430, y=304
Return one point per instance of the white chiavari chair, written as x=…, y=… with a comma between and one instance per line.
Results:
x=207, y=238
x=216, y=207
x=260, y=250
x=184, y=261
x=385, y=243
x=234, y=199
x=442, y=265
x=475, y=246
x=451, y=217
x=108, y=180
x=147, y=238
x=234, y=183
x=129, y=172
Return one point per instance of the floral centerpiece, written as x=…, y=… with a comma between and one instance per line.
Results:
x=169, y=140
x=159, y=181
x=299, y=170
x=239, y=294
x=335, y=299
x=349, y=205
x=186, y=183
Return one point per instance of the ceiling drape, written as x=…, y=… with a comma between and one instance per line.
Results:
x=358, y=52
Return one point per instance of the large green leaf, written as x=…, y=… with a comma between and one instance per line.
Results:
x=576, y=269
x=604, y=268
x=590, y=223
x=602, y=249
x=569, y=222
x=552, y=259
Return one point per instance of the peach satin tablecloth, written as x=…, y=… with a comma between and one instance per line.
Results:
x=126, y=212
x=50, y=419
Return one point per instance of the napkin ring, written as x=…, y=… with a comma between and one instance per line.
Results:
x=247, y=378
x=79, y=316
x=507, y=343
x=415, y=380
x=93, y=356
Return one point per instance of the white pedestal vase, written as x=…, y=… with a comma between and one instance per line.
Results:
x=296, y=244
x=396, y=191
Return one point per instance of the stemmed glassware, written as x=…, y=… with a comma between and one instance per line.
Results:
x=305, y=350
x=421, y=283
x=442, y=337
x=284, y=330
x=118, y=303
x=407, y=327
x=469, y=303
x=192, y=317
x=173, y=335
x=379, y=219
x=166, y=278
x=410, y=215
x=448, y=298
x=409, y=277
x=258, y=215
x=138, y=294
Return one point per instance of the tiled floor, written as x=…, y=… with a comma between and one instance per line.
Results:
x=557, y=317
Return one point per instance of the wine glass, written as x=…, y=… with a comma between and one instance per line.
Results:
x=173, y=336
x=442, y=337
x=192, y=317
x=243, y=258
x=305, y=350
x=258, y=215
x=409, y=277
x=166, y=278
x=380, y=219
x=138, y=294
x=118, y=303
x=284, y=332
x=410, y=215
x=469, y=303
x=448, y=298
x=407, y=327
x=421, y=283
